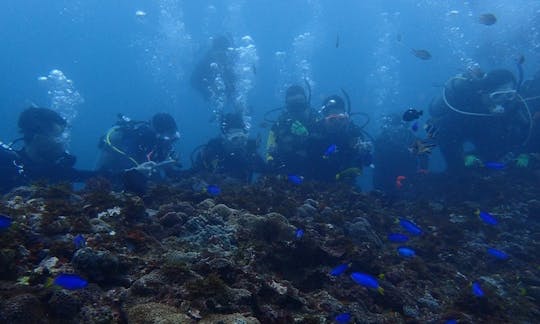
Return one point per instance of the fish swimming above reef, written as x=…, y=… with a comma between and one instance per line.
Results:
x=343, y=318
x=486, y=217
x=412, y=114
x=421, y=147
x=70, y=281
x=367, y=281
x=421, y=54
x=213, y=190
x=406, y=252
x=5, y=222
x=410, y=226
x=495, y=165
x=79, y=241
x=477, y=290
x=295, y=179
x=487, y=19
x=332, y=148
x=397, y=237
x=497, y=254
x=339, y=270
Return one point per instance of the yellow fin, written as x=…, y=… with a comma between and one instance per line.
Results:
x=49, y=282
x=381, y=290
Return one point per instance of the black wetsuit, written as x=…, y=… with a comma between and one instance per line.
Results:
x=331, y=166
x=238, y=163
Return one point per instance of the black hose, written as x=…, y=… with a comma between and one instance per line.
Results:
x=192, y=154
x=265, y=116
x=308, y=87
x=363, y=114
x=348, y=99
x=520, y=75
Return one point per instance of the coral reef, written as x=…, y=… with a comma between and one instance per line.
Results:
x=176, y=255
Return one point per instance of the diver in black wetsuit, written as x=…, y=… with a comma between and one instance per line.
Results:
x=232, y=155
x=131, y=144
x=43, y=155
x=285, y=148
x=484, y=110
x=336, y=148
x=213, y=76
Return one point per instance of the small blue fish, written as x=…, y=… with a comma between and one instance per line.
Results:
x=410, y=226
x=451, y=321
x=397, y=238
x=487, y=218
x=70, y=281
x=477, y=290
x=213, y=190
x=495, y=165
x=406, y=252
x=343, y=318
x=296, y=179
x=5, y=221
x=497, y=254
x=339, y=270
x=79, y=241
x=330, y=150
x=299, y=233
x=414, y=127
x=367, y=281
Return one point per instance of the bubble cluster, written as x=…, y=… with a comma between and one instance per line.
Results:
x=63, y=96
x=247, y=59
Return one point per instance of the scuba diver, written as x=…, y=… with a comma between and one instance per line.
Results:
x=394, y=155
x=43, y=155
x=484, y=110
x=213, y=76
x=232, y=155
x=285, y=147
x=336, y=149
x=139, y=150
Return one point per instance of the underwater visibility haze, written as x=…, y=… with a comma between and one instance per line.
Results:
x=303, y=161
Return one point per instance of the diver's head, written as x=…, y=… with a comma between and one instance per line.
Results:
x=500, y=88
x=233, y=130
x=296, y=99
x=43, y=122
x=165, y=127
x=334, y=113
x=42, y=129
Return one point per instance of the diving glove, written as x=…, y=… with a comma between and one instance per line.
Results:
x=298, y=129
x=522, y=161
x=472, y=161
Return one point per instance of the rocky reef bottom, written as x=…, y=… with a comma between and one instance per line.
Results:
x=268, y=252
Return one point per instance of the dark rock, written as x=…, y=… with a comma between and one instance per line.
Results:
x=22, y=309
x=99, y=266
x=149, y=284
x=64, y=304
x=156, y=313
x=360, y=231
x=171, y=219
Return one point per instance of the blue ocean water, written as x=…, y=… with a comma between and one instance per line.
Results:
x=136, y=57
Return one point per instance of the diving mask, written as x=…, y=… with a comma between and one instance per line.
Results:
x=237, y=137
x=169, y=137
x=296, y=102
x=336, y=121
x=501, y=96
